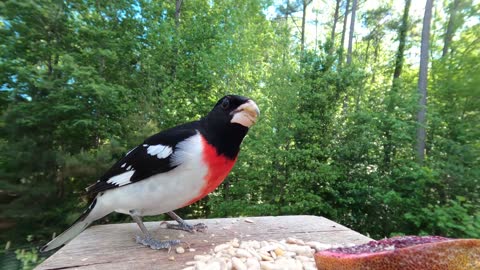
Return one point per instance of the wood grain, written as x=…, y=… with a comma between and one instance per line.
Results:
x=113, y=246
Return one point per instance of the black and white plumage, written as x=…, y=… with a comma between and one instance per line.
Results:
x=170, y=170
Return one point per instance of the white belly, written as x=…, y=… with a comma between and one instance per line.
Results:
x=162, y=192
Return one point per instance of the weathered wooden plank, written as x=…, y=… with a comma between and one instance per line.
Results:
x=113, y=246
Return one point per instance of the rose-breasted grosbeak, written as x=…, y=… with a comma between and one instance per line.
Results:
x=170, y=170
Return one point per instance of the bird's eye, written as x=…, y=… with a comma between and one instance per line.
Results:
x=225, y=103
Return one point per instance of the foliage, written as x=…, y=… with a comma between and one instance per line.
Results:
x=28, y=258
x=456, y=217
x=84, y=81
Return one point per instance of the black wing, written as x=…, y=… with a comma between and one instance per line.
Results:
x=140, y=163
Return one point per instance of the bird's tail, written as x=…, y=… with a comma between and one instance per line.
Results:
x=89, y=216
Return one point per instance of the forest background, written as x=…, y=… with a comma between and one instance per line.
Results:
x=370, y=109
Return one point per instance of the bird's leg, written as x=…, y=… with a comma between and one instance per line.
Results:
x=147, y=239
x=183, y=225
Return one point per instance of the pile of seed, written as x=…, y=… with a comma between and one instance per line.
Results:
x=286, y=254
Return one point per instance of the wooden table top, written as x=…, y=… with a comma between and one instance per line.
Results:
x=113, y=246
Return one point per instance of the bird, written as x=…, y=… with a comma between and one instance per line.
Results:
x=169, y=170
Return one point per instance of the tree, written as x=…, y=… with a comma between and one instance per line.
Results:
x=305, y=4
x=334, y=27
x=377, y=21
x=349, y=50
x=450, y=27
x=352, y=30
x=422, y=81
x=402, y=37
x=344, y=31
x=391, y=101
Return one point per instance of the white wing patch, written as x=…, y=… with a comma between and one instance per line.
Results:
x=187, y=149
x=159, y=150
x=121, y=179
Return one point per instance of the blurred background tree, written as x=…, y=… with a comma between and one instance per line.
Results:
x=337, y=82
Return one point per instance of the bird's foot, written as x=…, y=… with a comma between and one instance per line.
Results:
x=157, y=244
x=200, y=227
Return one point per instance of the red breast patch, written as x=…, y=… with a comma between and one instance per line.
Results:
x=218, y=168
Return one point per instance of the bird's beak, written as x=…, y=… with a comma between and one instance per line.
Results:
x=246, y=114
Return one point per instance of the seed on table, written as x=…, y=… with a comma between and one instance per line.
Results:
x=229, y=265
x=303, y=258
x=279, y=252
x=267, y=248
x=268, y=266
x=254, y=253
x=201, y=266
x=266, y=258
x=318, y=246
x=221, y=247
x=213, y=266
x=243, y=253
x=309, y=266
x=290, y=254
x=238, y=264
x=180, y=250
x=297, y=265
x=253, y=264
x=291, y=240
x=171, y=258
x=282, y=246
x=262, y=253
x=301, y=250
x=235, y=244
x=202, y=258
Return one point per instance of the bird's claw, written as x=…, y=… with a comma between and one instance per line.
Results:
x=157, y=244
x=200, y=227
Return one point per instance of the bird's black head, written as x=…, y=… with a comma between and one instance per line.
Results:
x=235, y=110
x=228, y=122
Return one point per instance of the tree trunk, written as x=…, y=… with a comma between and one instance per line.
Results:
x=388, y=147
x=335, y=20
x=178, y=6
x=450, y=27
x=349, y=54
x=352, y=30
x=422, y=82
x=401, y=41
x=367, y=51
x=286, y=13
x=304, y=16
x=344, y=30
x=376, y=52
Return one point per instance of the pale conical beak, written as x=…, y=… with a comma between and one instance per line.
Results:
x=246, y=114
